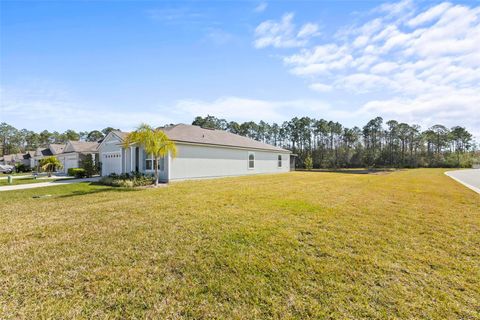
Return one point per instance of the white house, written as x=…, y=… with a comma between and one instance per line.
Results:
x=75, y=152
x=202, y=153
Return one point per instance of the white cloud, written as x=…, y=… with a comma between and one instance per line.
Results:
x=409, y=62
x=262, y=6
x=247, y=109
x=283, y=34
x=308, y=30
x=320, y=87
x=429, y=15
x=46, y=108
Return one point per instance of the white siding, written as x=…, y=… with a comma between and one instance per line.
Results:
x=111, y=146
x=68, y=160
x=196, y=161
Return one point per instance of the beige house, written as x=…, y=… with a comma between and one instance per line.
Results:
x=75, y=152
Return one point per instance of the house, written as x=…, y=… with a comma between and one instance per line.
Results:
x=53, y=149
x=202, y=153
x=18, y=158
x=75, y=152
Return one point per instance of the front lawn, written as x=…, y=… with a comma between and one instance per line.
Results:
x=301, y=245
x=4, y=182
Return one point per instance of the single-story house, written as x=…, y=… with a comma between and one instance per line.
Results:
x=53, y=149
x=202, y=153
x=14, y=159
x=75, y=152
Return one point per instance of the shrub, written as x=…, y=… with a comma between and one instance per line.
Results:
x=89, y=166
x=308, y=163
x=127, y=180
x=20, y=167
x=77, y=172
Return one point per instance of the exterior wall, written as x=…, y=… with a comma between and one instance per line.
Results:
x=194, y=161
x=68, y=160
x=199, y=161
x=112, y=144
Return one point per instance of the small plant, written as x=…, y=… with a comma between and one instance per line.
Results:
x=127, y=180
x=308, y=163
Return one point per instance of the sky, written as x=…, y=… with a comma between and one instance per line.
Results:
x=87, y=65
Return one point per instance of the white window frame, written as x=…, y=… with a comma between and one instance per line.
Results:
x=279, y=161
x=150, y=157
x=248, y=160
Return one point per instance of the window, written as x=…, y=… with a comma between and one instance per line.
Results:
x=279, y=160
x=251, y=160
x=149, y=163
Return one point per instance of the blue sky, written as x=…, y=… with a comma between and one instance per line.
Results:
x=87, y=65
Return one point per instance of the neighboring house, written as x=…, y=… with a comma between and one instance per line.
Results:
x=53, y=149
x=75, y=152
x=14, y=159
x=202, y=153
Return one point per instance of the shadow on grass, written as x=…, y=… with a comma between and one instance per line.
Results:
x=352, y=171
x=95, y=191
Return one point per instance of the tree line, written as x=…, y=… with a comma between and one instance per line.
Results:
x=324, y=144
x=13, y=140
x=329, y=144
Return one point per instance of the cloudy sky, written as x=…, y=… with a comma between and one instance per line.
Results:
x=88, y=65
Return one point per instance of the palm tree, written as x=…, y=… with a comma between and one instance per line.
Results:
x=49, y=164
x=154, y=142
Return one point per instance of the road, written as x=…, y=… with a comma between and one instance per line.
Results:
x=469, y=178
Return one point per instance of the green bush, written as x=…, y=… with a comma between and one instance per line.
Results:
x=127, y=180
x=89, y=166
x=20, y=167
x=77, y=172
x=308, y=163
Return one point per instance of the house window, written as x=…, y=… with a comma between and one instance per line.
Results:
x=251, y=160
x=149, y=163
x=279, y=160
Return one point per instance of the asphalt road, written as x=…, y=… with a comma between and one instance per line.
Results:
x=469, y=178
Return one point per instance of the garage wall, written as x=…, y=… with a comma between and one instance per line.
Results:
x=109, y=147
x=194, y=161
x=68, y=160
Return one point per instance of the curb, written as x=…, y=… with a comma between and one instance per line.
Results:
x=477, y=190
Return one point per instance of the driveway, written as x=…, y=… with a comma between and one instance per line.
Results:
x=469, y=178
x=46, y=184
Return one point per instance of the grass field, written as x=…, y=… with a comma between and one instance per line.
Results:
x=302, y=245
x=4, y=182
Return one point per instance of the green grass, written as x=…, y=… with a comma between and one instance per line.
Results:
x=15, y=174
x=302, y=245
x=4, y=182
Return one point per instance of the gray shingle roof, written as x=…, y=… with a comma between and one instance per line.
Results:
x=84, y=146
x=195, y=134
x=56, y=148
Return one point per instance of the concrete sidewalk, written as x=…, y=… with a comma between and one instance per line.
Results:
x=46, y=184
x=469, y=178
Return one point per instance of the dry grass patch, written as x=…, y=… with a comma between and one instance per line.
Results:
x=299, y=245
